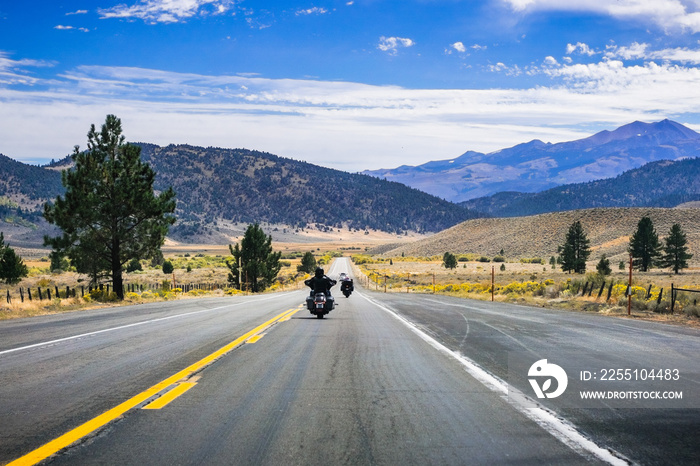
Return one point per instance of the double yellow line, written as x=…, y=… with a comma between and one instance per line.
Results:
x=179, y=378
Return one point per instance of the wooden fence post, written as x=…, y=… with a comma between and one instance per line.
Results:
x=600, y=293
x=673, y=297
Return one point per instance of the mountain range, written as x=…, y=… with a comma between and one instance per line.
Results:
x=536, y=166
x=215, y=185
x=665, y=183
x=218, y=190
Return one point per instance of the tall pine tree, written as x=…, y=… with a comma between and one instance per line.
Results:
x=675, y=251
x=110, y=213
x=644, y=245
x=575, y=250
x=255, y=266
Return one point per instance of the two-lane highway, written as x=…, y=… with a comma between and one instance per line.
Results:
x=361, y=386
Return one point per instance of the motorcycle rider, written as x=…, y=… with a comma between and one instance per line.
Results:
x=320, y=283
x=346, y=285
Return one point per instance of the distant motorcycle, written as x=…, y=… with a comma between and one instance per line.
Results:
x=347, y=286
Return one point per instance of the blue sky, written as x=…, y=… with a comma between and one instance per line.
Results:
x=352, y=85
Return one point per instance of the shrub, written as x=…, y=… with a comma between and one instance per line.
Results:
x=133, y=266
x=362, y=259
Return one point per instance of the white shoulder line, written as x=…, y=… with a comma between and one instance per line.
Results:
x=135, y=324
x=561, y=429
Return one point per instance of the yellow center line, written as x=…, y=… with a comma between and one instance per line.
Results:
x=159, y=403
x=255, y=338
x=92, y=425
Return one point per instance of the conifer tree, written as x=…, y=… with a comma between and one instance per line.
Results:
x=675, y=251
x=255, y=266
x=12, y=267
x=449, y=260
x=308, y=263
x=575, y=250
x=110, y=213
x=603, y=266
x=644, y=245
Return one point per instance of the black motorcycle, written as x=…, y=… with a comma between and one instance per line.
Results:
x=319, y=304
x=347, y=287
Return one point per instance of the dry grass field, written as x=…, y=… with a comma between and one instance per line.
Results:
x=608, y=230
x=407, y=263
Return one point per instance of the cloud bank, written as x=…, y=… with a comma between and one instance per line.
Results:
x=667, y=14
x=166, y=11
x=347, y=125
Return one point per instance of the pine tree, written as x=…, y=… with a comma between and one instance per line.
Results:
x=308, y=263
x=603, y=267
x=255, y=266
x=110, y=214
x=575, y=250
x=12, y=267
x=675, y=251
x=168, y=267
x=644, y=245
x=449, y=260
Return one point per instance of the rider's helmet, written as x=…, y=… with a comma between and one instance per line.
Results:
x=319, y=272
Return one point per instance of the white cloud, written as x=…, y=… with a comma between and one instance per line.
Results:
x=78, y=12
x=392, y=44
x=667, y=14
x=13, y=72
x=458, y=46
x=581, y=48
x=364, y=126
x=166, y=11
x=312, y=11
x=551, y=61
x=637, y=51
x=68, y=28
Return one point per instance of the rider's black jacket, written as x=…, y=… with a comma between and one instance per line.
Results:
x=320, y=284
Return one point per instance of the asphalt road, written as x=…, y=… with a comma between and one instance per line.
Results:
x=383, y=379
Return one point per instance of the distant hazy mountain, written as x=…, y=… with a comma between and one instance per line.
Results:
x=657, y=184
x=240, y=185
x=536, y=166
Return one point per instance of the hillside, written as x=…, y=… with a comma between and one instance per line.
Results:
x=540, y=235
x=247, y=186
x=657, y=184
x=229, y=186
x=536, y=166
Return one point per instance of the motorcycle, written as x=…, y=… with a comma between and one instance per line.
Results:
x=347, y=287
x=319, y=304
